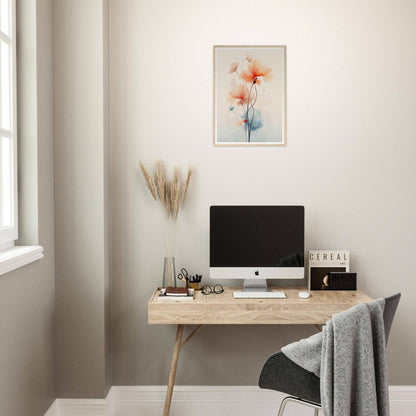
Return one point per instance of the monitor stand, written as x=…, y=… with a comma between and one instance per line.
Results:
x=255, y=285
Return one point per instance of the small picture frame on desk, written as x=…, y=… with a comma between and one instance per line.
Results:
x=342, y=281
x=323, y=262
x=318, y=274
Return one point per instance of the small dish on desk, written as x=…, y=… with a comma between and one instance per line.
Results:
x=304, y=295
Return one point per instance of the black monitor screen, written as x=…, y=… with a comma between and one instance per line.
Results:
x=257, y=236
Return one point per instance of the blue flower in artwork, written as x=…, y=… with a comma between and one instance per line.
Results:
x=254, y=119
x=231, y=108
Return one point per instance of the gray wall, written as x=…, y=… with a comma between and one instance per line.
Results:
x=81, y=198
x=349, y=160
x=27, y=294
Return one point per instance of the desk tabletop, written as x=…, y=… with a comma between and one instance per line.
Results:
x=223, y=309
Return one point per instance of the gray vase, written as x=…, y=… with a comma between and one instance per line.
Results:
x=169, y=274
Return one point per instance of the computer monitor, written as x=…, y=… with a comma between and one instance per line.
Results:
x=256, y=243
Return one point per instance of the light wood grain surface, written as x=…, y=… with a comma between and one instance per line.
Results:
x=224, y=309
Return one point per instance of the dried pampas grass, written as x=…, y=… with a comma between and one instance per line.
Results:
x=160, y=180
x=167, y=199
x=171, y=196
x=175, y=193
x=150, y=183
x=186, y=184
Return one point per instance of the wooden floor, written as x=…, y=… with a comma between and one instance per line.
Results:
x=224, y=309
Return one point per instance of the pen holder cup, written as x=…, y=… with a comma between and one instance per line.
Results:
x=195, y=286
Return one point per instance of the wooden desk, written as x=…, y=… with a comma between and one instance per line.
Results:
x=224, y=309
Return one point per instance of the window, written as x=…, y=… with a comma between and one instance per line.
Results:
x=11, y=256
x=8, y=139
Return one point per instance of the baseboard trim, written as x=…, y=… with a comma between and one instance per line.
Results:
x=192, y=394
x=203, y=401
x=402, y=400
x=53, y=409
x=85, y=407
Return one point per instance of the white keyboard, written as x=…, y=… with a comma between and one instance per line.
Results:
x=259, y=295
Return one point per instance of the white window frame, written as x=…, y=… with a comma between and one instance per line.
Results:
x=9, y=234
x=11, y=256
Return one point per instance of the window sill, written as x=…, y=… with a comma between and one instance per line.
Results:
x=19, y=256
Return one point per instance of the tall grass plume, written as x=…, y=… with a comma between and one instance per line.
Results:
x=170, y=197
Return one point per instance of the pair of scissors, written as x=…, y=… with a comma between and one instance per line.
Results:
x=184, y=275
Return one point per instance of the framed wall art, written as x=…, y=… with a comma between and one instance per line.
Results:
x=249, y=95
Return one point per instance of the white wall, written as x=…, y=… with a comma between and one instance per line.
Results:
x=349, y=160
x=82, y=326
x=27, y=294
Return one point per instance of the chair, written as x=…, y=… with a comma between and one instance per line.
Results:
x=282, y=374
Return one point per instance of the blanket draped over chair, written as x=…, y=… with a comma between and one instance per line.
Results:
x=349, y=356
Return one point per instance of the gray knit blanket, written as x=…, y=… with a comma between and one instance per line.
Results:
x=349, y=357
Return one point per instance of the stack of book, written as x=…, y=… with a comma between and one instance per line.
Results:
x=176, y=293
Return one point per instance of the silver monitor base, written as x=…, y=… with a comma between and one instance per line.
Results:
x=255, y=285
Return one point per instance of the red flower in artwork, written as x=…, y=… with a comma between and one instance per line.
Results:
x=239, y=92
x=256, y=70
x=233, y=68
x=246, y=75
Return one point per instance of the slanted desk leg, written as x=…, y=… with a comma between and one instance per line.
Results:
x=173, y=367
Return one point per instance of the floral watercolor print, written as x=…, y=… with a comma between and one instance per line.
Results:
x=249, y=95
